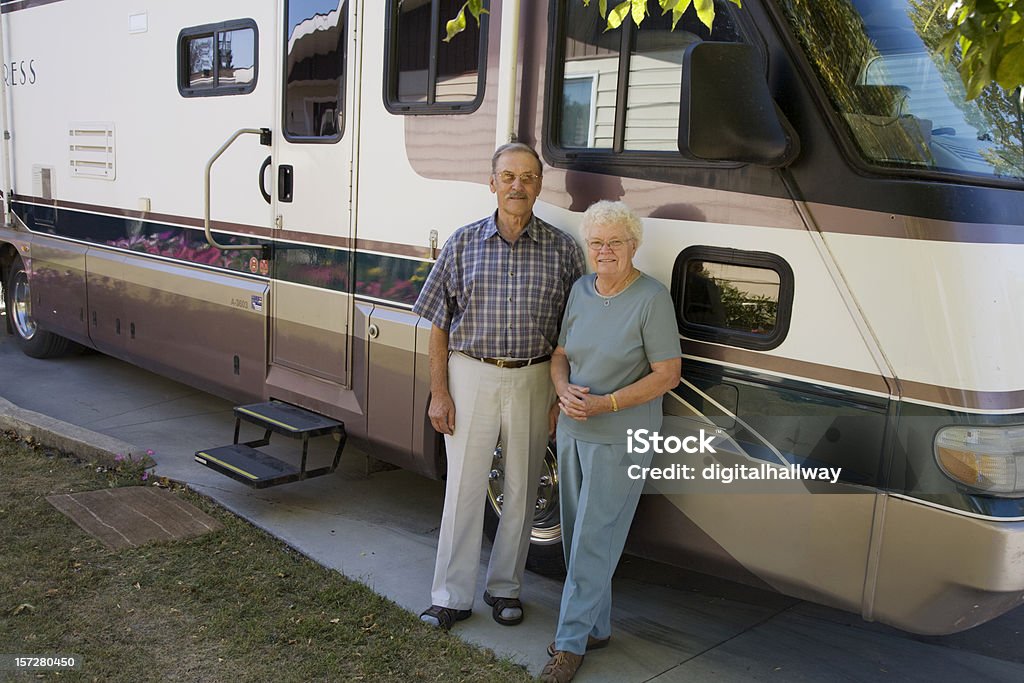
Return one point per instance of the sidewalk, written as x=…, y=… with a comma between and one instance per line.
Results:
x=382, y=530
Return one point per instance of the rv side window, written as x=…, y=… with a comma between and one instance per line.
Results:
x=315, y=66
x=218, y=59
x=617, y=92
x=740, y=298
x=422, y=73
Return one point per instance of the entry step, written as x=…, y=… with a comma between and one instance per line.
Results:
x=248, y=465
x=284, y=418
x=243, y=462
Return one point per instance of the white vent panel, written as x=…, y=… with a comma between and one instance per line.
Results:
x=91, y=150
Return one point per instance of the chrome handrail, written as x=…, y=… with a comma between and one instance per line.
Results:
x=264, y=138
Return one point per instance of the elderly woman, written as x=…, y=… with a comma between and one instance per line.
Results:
x=617, y=354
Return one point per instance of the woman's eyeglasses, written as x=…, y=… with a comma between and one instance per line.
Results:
x=614, y=245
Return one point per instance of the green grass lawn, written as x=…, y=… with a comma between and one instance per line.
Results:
x=232, y=605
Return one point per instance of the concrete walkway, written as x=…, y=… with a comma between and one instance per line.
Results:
x=669, y=625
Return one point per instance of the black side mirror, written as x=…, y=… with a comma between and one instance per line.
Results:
x=727, y=113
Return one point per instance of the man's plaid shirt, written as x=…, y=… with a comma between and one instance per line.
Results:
x=498, y=300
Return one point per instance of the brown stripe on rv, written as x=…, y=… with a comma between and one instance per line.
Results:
x=914, y=391
x=175, y=219
x=849, y=221
x=976, y=400
x=242, y=228
x=797, y=368
x=390, y=248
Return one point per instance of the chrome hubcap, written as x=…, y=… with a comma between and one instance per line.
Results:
x=547, y=528
x=21, y=301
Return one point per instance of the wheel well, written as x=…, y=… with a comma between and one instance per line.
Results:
x=7, y=255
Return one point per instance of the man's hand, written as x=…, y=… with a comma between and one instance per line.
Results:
x=442, y=409
x=442, y=413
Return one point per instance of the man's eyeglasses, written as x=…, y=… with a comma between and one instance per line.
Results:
x=614, y=245
x=508, y=177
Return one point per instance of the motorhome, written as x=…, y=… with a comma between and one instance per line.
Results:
x=247, y=196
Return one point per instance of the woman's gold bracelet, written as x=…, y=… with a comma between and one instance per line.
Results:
x=615, y=404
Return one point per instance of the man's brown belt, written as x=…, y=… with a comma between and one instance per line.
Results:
x=511, y=363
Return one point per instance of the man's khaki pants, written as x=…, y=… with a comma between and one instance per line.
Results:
x=491, y=403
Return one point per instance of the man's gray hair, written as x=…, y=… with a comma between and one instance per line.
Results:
x=607, y=212
x=516, y=147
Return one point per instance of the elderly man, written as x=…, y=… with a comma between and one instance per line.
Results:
x=495, y=298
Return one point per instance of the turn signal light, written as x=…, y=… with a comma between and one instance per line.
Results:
x=987, y=459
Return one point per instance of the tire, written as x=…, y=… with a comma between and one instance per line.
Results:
x=546, y=555
x=33, y=341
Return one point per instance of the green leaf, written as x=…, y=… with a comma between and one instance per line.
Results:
x=705, y=11
x=976, y=83
x=619, y=14
x=476, y=8
x=456, y=25
x=1010, y=71
x=679, y=10
x=988, y=7
x=639, y=11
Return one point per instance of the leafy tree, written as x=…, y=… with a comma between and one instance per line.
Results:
x=746, y=311
x=994, y=112
x=987, y=36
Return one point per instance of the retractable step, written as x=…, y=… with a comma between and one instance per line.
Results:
x=245, y=463
x=248, y=465
x=284, y=418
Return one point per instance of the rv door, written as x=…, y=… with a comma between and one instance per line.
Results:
x=312, y=171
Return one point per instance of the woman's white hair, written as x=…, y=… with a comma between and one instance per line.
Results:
x=607, y=212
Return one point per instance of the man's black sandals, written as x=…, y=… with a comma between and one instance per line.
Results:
x=499, y=605
x=444, y=616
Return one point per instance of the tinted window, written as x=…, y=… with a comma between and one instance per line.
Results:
x=217, y=59
x=733, y=297
x=315, y=65
x=902, y=102
x=425, y=74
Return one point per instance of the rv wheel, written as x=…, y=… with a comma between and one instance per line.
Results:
x=546, y=537
x=33, y=341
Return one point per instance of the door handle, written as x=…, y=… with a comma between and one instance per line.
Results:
x=285, y=182
x=262, y=177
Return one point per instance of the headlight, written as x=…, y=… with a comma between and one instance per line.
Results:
x=987, y=459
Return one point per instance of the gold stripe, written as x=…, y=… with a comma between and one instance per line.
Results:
x=228, y=465
x=267, y=419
